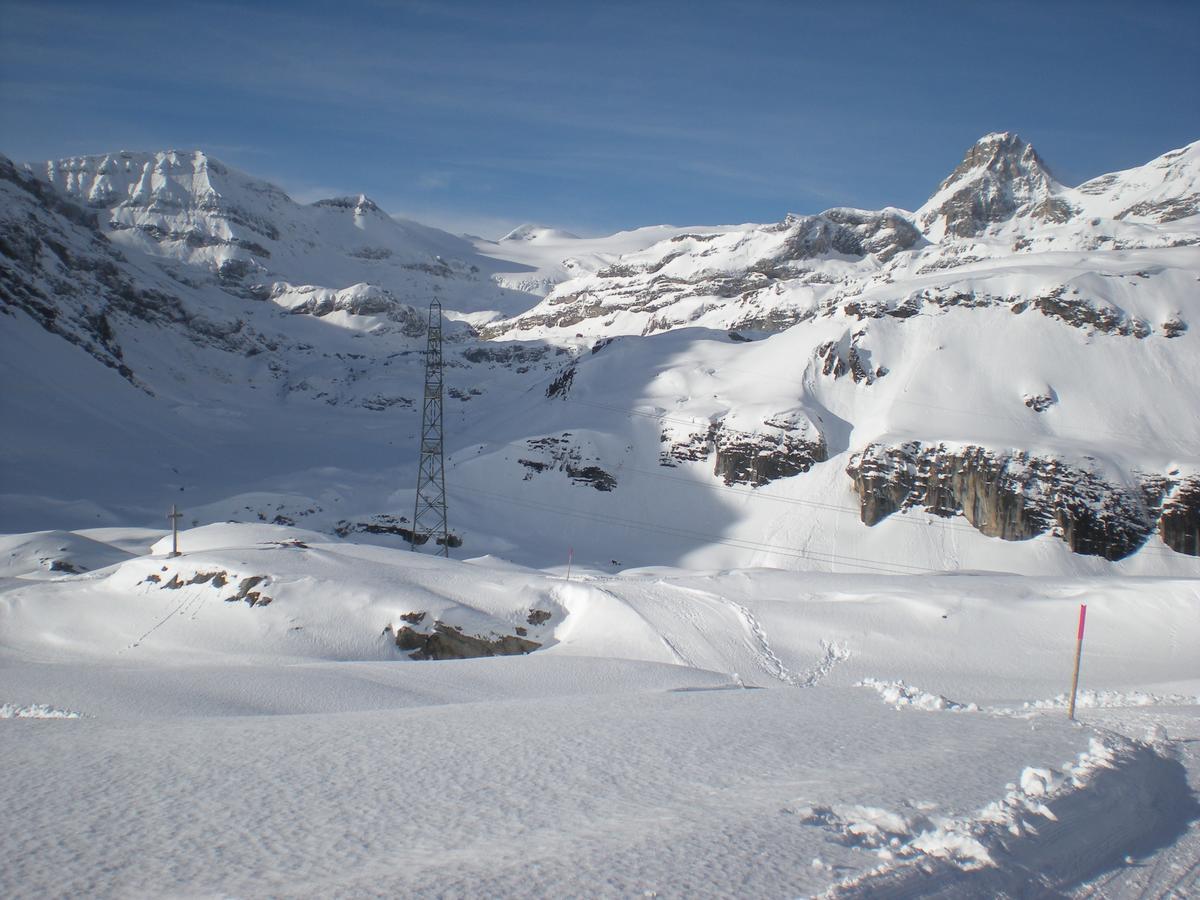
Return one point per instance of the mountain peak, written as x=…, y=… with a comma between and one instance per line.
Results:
x=1002, y=153
x=1000, y=176
x=537, y=233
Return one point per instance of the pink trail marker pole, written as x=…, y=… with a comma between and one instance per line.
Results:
x=1078, y=654
x=570, y=559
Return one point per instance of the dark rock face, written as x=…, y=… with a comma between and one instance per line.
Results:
x=1064, y=304
x=847, y=357
x=1040, y=402
x=448, y=642
x=246, y=591
x=648, y=288
x=249, y=588
x=1162, y=211
x=509, y=354
x=382, y=523
x=58, y=267
x=1079, y=312
x=763, y=458
x=850, y=232
x=1013, y=496
x=561, y=385
x=1001, y=176
x=1179, y=525
x=792, y=446
x=561, y=454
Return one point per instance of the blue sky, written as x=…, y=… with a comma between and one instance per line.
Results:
x=595, y=117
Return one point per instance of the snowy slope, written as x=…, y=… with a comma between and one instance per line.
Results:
x=540, y=258
x=829, y=491
x=1001, y=380
x=682, y=733
x=186, y=207
x=1007, y=338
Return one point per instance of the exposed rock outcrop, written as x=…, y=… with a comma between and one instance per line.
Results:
x=1013, y=495
x=1063, y=303
x=846, y=356
x=383, y=523
x=1000, y=177
x=789, y=444
x=563, y=455
x=1179, y=525
x=449, y=642
x=850, y=232
x=249, y=590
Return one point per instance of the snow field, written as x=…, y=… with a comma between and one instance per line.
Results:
x=750, y=732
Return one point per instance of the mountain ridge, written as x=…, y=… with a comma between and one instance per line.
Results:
x=847, y=362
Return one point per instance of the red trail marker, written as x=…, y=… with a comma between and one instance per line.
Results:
x=1078, y=654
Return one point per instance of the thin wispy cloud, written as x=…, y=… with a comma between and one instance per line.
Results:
x=610, y=116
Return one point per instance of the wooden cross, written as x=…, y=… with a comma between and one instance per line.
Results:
x=174, y=516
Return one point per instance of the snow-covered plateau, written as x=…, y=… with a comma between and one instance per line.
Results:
x=770, y=542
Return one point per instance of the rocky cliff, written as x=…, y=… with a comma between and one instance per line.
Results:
x=1015, y=496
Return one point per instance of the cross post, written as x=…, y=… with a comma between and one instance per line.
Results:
x=174, y=516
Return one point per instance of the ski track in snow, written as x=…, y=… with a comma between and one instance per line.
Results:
x=181, y=610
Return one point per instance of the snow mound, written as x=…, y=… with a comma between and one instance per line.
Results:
x=35, y=711
x=53, y=554
x=538, y=234
x=1089, y=699
x=227, y=535
x=1053, y=828
x=899, y=694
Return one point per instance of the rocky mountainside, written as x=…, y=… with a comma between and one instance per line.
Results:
x=1003, y=379
x=188, y=209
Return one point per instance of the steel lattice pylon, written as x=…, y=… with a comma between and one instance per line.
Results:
x=429, y=515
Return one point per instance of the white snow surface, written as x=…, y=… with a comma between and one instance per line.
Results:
x=681, y=733
x=291, y=392
x=740, y=691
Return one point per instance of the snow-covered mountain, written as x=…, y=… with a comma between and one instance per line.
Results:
x=1004, y=379
x=187, y=208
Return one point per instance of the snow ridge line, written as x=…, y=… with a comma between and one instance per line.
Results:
x=1000, y=852
x=900, y=694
